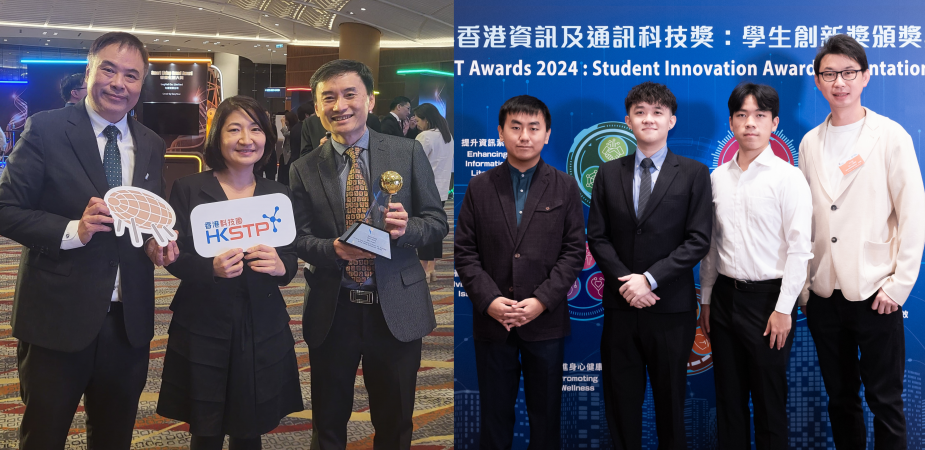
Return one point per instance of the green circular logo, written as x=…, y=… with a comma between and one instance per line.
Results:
x=594, y=146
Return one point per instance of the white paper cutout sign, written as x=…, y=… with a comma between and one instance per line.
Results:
x=141, y=212
x=242, y=223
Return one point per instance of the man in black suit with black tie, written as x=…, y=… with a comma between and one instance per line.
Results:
x=519, y=247
x=649, y=225
x=83, y=310
x=359, y=305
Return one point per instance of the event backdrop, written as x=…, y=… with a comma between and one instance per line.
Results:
x=581, y=58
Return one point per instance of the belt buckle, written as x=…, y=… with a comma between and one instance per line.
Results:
x=362, y=297
x=736, y=283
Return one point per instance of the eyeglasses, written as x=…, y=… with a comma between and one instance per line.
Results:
x=846, y=75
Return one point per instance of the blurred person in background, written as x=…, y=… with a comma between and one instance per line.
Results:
x=437, y=141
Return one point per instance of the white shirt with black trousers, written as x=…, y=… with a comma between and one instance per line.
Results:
x=757, y=263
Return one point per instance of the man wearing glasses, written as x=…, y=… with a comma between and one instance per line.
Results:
x=868, y=211
x=73, y=89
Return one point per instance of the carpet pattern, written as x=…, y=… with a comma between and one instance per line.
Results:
x=433, y=416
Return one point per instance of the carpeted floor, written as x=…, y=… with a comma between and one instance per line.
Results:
x=433, y=416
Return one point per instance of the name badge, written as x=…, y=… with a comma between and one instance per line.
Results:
x=851, y=165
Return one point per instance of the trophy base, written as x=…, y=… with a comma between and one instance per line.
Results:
x=369, y=238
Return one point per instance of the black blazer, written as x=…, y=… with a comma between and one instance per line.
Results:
x=197, y=305
x=62, y=297
x=670, y=238
x=318, y=201
x=295, y=141
x=390, y=125
x=540, y=258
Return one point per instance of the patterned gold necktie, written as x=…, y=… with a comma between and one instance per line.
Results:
x=356, y=204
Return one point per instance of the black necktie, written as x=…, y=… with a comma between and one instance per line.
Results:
x=112, y=160
x=645, y=186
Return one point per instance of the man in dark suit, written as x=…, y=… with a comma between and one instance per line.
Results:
x=398, y=121
x=83, y=310
x=519, y=247
x=358, y=305
x=295, y=137
x=649, y=225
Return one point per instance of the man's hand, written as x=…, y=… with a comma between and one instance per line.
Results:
x=704, y=321
x=228, y=264
x=644, y=301
x=349, y=252
x=883, y=304
x=525, y=311
x=322, y=140
x=264, y=259
x=498, y=308
x=635, y=285
x=95, y=215
x=162, y=256
x=396, y=220
x=779, y=328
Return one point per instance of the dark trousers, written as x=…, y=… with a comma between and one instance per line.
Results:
x=216, y=443
x=390, y=370
x=632, y=343
x=839, y=328
x=499, y=365
x=109, y=372
x=744, y=363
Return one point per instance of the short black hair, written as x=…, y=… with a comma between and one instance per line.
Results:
x=337, y=67
x=651, y=93
x=841, y=44
x=304, y=110
x=69, y=83
x=524, y=104
x=260, y=116
x=765, y=96
x=400, y=100
x=122, y=39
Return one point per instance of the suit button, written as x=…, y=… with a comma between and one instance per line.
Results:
x=639, y=231
x=510, y=289
x=834, y=207
x=834, y=240
x=112, y=264
x=517, y=255
x=547, y=208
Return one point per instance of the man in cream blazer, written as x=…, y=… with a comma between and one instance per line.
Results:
x=868, y=236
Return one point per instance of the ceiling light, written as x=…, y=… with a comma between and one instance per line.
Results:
x=351, y=13
x=266, y=15
x=156, y=40
x=178, y=49
x=200, y=9
x=54, y=34
x=276, y=24
x=166, y=40
x=44, y=32
x=217, y=43
x=284, y=54
x=362, y=9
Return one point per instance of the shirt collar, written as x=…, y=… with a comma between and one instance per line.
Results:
x=394, y=115
x=100, y=124
x=515, y=171
x=657, y=159
x=362, y=143
x=766, y=158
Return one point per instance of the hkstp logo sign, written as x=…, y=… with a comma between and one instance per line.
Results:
x=242, y=223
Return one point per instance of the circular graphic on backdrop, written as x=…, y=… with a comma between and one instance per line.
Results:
x=574, y=290
x=780, y=145
x=589, y=306
x=594, y=146
x=589, y=258
x=701, y=357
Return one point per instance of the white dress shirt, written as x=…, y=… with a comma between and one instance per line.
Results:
x=440, y=155
x=71, y=240
x=762, y=221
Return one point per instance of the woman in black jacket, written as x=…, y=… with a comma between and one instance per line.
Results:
x=230, y=366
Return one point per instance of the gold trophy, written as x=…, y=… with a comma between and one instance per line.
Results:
x=370, y=234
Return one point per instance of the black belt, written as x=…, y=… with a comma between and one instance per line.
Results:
x=752, y=286
x=359, y=296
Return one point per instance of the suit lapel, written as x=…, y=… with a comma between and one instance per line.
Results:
x=665, y=176
x=378, y=162
x=870, y=133
x=212, y=188
x=330, y=182
x=537, y=189
x=505, y=190
x=815, y=153
x=142, y=153
x=626, y=174
x=83, y=142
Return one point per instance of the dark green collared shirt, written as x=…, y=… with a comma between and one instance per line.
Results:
x=521, y=182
